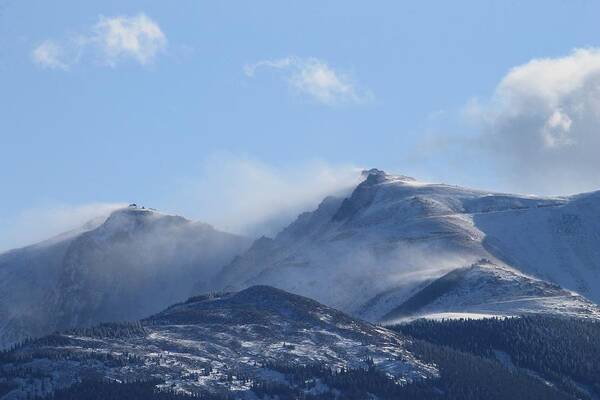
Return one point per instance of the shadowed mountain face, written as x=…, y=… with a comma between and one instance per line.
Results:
x=133, y=264
x=371, y=252
x=195, y=346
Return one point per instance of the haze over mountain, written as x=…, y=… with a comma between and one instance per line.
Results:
x=131, y=265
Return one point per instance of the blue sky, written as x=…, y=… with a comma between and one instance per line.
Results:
x=106, y=102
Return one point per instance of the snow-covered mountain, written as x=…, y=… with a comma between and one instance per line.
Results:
x=218, y=343
x=394, y=248
x=379, y=252
x=131, y=265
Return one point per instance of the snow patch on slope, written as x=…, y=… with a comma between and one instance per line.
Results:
x=488, y=289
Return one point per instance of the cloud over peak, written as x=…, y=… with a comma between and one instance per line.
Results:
x=314, y=78
x=109, y=41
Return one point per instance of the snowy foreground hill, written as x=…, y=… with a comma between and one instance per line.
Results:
x=398, y=248
x=131, y=265
x=213, y=344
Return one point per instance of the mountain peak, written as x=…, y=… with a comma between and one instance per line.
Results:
x=249, y=305
x=134, y=217
x=376, y=176
x=373, y=171
x=136, y=210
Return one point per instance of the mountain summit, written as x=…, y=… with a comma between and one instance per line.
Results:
x=133, y=264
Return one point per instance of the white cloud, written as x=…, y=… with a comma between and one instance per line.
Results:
x=556, y=130
x=137, y=37
x=243, y=195
x=314, y=78
x=49, y=54
x=110, y=41
x=542, y=124
x=250, y=69
x=40, y=223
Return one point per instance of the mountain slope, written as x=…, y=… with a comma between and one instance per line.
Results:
x=217, y=343
x=131, y=265
x=560, y=244
x=369, y=253
x=486, y=289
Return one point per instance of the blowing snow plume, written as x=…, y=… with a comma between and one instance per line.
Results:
x=243, y=195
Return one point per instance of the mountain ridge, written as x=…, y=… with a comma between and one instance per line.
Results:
x=399, y=234
x=366, y=254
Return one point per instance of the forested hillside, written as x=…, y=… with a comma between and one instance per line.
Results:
x=563, y=351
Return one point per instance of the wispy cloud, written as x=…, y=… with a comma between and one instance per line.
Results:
x=110, y=41
x=541, y=123
x=40, y=223
x=315, y=79
x=136, y=37
x=49, y=54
